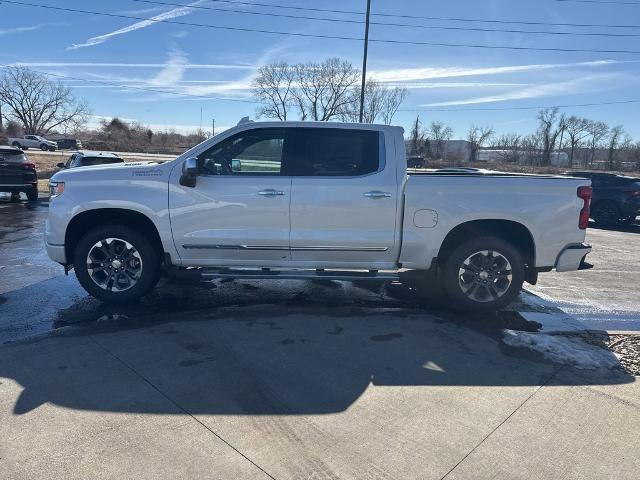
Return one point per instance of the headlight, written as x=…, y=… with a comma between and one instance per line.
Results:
x=55, y=189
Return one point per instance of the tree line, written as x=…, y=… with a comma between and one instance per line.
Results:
x=587, y=143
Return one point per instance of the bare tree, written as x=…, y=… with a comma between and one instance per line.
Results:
x=391, y=103
x=577, y=129
x=416, y=138
x=597, y=131
x=380, y=101
x=323, y=90
x=477, y=137
x=437, y=134
x=39, y=103
x=510, y=144
x=616, y=135
x=550, y=127
x=273, y=86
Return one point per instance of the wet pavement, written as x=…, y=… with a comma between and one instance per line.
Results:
x=37, y=298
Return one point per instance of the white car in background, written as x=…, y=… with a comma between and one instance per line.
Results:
x=33, y=141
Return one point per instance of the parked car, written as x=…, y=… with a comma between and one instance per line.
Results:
x=69, y=144
x=314, y=200
x=33, y=141
x=17, y=174
x=616, y=198
x=87, y=158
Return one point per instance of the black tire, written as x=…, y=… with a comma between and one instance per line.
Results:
x=44, y=147
x=52, y=149
x=16, y=144
x=15, y=196
x=150, y=269
x=605, y=213
x=32, y=194
x=503, y=291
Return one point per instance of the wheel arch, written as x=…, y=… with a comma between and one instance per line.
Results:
x=89, y=219
x=514, y=232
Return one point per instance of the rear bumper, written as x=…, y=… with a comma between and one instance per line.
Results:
x=18, y=187
x=571, y=257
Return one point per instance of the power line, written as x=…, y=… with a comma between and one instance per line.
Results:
x=389, y=24
x=497, y=109
x=334, y=37
x=615, y=2
x=448, y=19
x=135, y=87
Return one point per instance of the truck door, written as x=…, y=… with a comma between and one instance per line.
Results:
x=238, y=211
x=344, y=199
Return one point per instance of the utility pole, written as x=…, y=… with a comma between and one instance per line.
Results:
x=364, y=60
x=213, y=127
x=200, y=119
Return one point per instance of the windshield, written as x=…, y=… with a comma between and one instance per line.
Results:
x=88, y=161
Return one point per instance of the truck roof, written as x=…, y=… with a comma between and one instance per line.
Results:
x=314, y=124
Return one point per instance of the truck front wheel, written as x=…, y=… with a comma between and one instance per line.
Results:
x=116, y=264
x=483, y=274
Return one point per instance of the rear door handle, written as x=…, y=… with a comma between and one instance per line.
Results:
x=270, y=192
x=377, y=194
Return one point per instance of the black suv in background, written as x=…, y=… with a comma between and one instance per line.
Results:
x=17, y=174
x=616, y=198
x=69, y=144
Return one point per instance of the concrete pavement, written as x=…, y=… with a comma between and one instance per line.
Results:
x=333, y=393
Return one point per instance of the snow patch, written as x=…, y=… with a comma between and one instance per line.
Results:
x=565, y=350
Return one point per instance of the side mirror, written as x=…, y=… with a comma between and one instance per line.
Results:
x=60, y=165
x=189, y=172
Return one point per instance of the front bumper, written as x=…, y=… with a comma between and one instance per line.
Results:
x=572, y=257
x=57, y=253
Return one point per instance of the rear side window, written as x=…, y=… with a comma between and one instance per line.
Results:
x=334, y=152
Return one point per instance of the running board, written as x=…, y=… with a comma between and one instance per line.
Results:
x=300, y=274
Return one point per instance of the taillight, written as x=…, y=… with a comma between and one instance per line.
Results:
x=29, y=166
x=585, y=193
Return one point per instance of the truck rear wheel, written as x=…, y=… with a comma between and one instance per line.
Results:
x=483, y=274
x=605, y=213
x=116, y=264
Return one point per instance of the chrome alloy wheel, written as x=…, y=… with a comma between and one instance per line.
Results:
x=114, y=264
x=485, y=276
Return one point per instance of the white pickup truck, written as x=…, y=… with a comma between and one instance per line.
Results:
x=33, y=141
x=314, y=200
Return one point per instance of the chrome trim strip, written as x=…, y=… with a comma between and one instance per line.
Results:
x=293, y=249
x=341, y=249
x=234, y=247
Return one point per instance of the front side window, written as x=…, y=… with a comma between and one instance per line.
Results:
x=254, y=152
x=336, y=152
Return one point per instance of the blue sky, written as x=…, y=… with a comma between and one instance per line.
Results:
x=131, y=54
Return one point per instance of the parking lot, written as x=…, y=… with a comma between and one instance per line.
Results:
x=294, y=379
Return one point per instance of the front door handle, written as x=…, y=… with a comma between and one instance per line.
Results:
x=377, y=194
x=270, y=192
